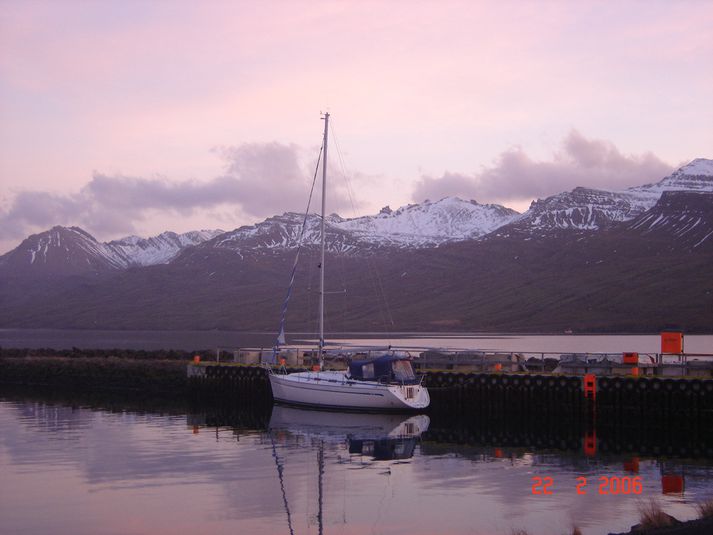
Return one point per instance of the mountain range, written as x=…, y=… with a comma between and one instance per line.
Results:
x=638, y=259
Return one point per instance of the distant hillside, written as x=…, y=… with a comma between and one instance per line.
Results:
x=634, y=261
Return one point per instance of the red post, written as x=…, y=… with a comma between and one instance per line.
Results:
x=590, y=443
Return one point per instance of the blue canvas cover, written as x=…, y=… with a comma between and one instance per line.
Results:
x=386, y=368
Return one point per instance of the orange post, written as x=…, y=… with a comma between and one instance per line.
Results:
x=635, y=371
x=630, y=358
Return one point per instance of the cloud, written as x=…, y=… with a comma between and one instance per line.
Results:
x=260, y=180
x=515, y=176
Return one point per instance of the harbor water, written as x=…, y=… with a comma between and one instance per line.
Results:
x=197, y=340
x=101, y=463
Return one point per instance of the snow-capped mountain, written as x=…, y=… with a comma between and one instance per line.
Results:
x=430, y=223
x=586, y=209
x=66, y=250
x=61, y=250
x=136, y=251
x=414, y=226
x=283, y=232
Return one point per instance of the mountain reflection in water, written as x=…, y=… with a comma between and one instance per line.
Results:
x=97, y=464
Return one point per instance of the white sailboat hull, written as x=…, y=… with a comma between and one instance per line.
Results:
x=335, y=390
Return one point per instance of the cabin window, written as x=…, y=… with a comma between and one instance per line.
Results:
x=367, y=371
x=403, y=370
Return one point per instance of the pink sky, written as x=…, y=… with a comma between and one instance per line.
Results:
x=162, y=90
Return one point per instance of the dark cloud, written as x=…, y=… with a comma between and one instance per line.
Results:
x=260, y=180
x=516, y=177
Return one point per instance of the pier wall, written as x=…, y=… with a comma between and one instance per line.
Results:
x=96, y=373
x=493, y=394
x=628, y=399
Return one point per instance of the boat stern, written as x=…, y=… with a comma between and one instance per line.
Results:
x=412, y=396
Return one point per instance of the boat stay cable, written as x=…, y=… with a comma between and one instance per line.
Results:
x=385, y=311
x=280, y=469
x=281, y=333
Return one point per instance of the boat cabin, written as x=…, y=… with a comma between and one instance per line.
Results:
x=384, y=369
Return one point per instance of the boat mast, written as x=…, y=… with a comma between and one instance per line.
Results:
x=321, y=265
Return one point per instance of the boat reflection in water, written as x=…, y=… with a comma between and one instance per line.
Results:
x=379, y=436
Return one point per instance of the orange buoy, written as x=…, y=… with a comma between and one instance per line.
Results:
x=197, y=359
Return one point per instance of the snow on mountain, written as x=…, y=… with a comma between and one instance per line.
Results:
x=430, y=223
x=61, y=250
x=583, y=209
x=686, y=216
x=136, y=251
x=416, y=225
x=698, y=167
x=695, y=176
x=590, y=209
x=283, y=232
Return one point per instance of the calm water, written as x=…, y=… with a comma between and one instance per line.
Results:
x=200, y=340
x=106, y=466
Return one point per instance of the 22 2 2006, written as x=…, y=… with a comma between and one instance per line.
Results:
x=607, y=485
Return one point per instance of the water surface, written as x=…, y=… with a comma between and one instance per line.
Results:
x=201, y=340
x=85, y=466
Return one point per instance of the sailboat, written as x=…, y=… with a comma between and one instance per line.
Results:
x=385, y=383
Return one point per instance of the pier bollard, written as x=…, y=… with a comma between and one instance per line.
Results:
x=590, y=386
x=590, y=443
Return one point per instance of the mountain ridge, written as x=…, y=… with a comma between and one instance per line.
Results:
x=594, y=262
x=424, y=225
